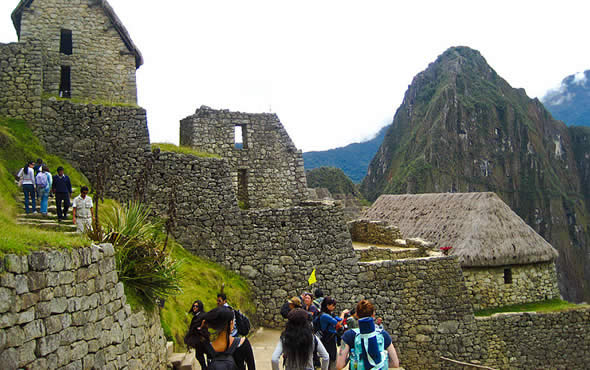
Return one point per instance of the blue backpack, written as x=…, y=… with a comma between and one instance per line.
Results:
x=361, y=344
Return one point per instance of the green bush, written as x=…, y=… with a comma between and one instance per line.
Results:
x=145, y=266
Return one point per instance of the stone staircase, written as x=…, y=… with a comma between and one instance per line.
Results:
x=41, y=221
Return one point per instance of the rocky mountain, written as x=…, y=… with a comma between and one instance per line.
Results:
x=353, y=159
x=570, y=102
x=333, y=179
x=462, y=128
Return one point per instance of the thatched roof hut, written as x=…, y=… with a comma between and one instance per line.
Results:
x=480, y=227
x=18, y=11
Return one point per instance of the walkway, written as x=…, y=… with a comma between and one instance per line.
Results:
x=263, y=343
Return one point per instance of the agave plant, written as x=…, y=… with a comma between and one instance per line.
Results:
x=142, y=261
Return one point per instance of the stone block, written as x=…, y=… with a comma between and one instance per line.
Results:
x=9, y=358
x=26, y=353
x=38, y=261
x=53, y=324
x=7, y=299
x=21, y=284
x=56, y=261
x=47, y=345
x=40, y=364
x=8, y=319
x=26, y=316
x=16, y=264
x=37, y=280
x=2, y=339
x=79, y=350
x=15, y=336
x=7, y=280
x=88, y=362
x=29, y=300
x=34, y=329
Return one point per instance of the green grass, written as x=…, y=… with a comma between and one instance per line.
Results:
x=104, y=103
x=552, y=305
x=202, y=280
x=167, y=147
x=18, y=145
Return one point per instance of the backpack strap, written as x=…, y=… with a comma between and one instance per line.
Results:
x=365, y=342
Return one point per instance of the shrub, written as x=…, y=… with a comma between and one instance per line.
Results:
x=144, y=265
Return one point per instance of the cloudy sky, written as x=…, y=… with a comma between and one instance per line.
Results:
x=334, y=71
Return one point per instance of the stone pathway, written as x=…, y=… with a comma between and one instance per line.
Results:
x=263, y=343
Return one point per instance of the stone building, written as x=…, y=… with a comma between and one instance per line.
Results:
x=504, y=260
x=86, y=51
x=266, y=166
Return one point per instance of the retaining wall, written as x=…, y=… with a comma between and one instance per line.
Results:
x=67, y=309
x=376, y=232
x=557, y=340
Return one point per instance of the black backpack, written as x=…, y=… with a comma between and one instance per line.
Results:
x=242, y=323
x=223, y=360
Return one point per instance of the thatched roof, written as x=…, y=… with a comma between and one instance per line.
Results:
x=480, y=227
x=18, y=11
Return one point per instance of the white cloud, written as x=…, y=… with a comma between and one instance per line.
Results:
x=580, y=78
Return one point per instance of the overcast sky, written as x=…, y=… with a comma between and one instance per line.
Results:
x=334, y=71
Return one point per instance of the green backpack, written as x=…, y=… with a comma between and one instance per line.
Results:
x=361, y=343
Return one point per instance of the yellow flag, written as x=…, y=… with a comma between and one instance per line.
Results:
x=312, y=278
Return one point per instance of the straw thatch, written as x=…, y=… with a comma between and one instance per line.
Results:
x=18, y=11
x=480, y=227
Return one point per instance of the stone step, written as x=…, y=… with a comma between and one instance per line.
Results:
x=189, y=362
x=169, y=349
x=176, y=359
x=50, y=226
x=39, y=216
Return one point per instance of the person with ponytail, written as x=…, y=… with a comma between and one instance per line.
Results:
x=329, y=325
x=225, y=351
x=298, y=344
x=368, y=348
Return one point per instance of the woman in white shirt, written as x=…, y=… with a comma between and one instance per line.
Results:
x=298, y=344
x=27, y=175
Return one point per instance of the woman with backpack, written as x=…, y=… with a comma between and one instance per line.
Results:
x=225, y=351
x=298, y=344
x=366, y=346
x=328, y=326
x=198, y=335
x=26, y=177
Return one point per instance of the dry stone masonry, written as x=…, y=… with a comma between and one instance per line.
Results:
x=507, y=285
x=66, y=309
x=267, y=168
x=87, y=52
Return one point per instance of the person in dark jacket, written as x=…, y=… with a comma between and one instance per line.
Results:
x=198, y=335
x=62, y=188
x=220, y=319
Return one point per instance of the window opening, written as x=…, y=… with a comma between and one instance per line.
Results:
x=65, y=85
x=243, y=188
x=65, y=45
x=507, y=276
x=240, y=137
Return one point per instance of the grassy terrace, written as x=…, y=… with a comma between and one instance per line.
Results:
x=200, y=279
x=167, y=147
x=552, y=305
x=17, y=145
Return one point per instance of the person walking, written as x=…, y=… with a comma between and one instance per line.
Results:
x=62, y=188
x=82, y=211
x=367, y=344
x=198, y=335
x=26, y=177
x=329, y=326
x=298, y=344
x=226, y=351
x=44, y=181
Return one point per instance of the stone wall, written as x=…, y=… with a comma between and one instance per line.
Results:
x=530, y=283
x=96, y=137
x=366, y=254
x=102, y=66
x=375, y=232
x=267, y=170
x=20, y=80
x=425, y=307
x=67, y=309
x=556, y=340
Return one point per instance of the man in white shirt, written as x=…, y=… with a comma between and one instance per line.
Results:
x=83, y=215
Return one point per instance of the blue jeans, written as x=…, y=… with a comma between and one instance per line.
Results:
x=44, y=194
x=29, y=190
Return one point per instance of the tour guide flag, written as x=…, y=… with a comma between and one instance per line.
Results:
x=312, y=278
